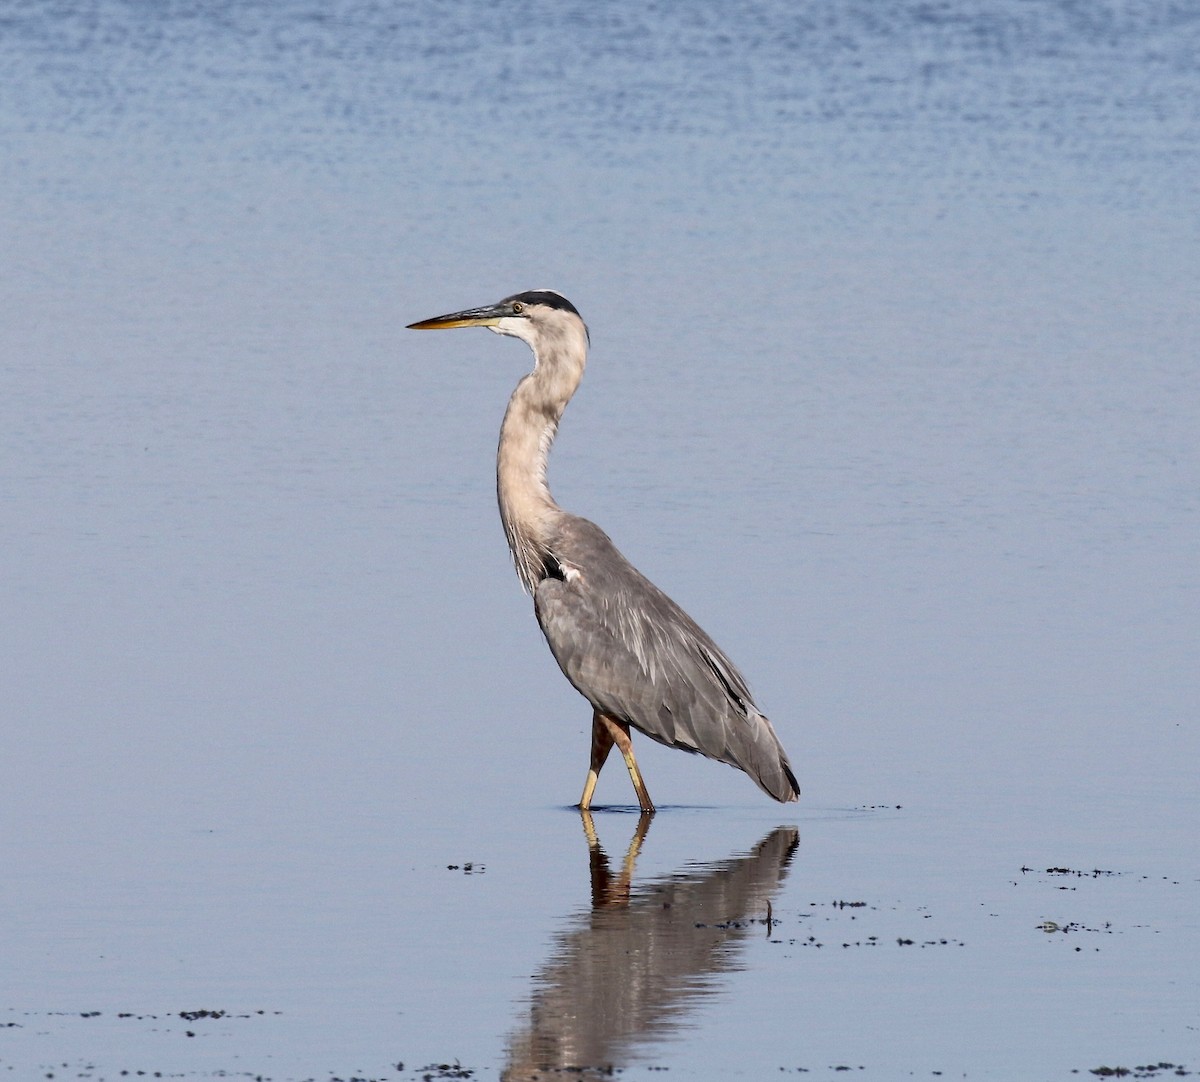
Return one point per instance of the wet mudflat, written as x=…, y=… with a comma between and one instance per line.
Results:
x=893, y=387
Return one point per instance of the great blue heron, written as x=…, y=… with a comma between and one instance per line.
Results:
x=634, y=654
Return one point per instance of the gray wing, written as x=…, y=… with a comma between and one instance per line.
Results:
x=637, y=656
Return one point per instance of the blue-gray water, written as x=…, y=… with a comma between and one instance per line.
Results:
x=894, y=310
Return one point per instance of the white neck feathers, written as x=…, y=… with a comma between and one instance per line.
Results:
x=527, y=509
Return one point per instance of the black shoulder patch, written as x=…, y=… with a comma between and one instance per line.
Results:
x=544, y=296
x=552, y=569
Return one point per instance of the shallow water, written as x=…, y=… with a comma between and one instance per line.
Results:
x=894, y=311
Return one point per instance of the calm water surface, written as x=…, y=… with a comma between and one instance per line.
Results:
x=894, y=311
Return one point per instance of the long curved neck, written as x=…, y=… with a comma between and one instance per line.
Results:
x=527, y=509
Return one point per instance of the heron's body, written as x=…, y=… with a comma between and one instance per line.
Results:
x=634, y=654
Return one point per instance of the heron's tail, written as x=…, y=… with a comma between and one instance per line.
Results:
x=759, y=753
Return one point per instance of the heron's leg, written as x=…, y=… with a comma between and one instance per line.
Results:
x=619, y=732
x=602, y=742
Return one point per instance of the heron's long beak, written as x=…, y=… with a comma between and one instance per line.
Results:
x=487, y=316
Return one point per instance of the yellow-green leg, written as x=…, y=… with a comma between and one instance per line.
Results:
x=607, y=731
x=602, y=742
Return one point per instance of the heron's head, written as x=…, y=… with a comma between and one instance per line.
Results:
x=537, y=316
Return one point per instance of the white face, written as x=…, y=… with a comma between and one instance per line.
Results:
x=515, y=327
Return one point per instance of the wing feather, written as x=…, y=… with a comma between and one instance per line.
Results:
x=636, y=655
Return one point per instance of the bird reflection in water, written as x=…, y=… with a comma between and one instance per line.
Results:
x=629, y=971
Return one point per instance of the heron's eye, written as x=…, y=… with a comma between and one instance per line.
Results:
x=518, y=308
